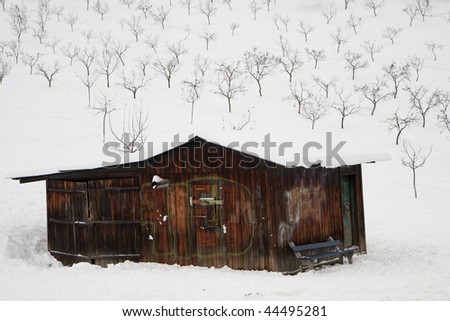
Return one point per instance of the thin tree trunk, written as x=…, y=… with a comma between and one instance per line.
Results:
x=229, y=104
x=192, y=113
x=414, y=182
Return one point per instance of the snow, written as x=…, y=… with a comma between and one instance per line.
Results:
x=53, y=128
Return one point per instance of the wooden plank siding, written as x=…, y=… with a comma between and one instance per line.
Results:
x=221, y=208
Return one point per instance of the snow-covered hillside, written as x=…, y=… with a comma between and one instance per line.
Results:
x=46, y=127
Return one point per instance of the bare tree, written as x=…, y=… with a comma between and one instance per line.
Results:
x=228, y=3
x=191, y=93
x=101, y=8
x=88, y=82
x=87, y=58
x=258, y=65
x=104, y=107
x=187, y=4
x=15, y=50
x=400, y=123
x=128, y=3
x=177, y=49
x=39, y=34
x=3, y=3
x=374, y=5
x=254, y=7
x=5, y=68
x=398, y=74
x=375, y=92
x=133, y=82
x=325, y=85
x=267, y=3
x=88, y=2
x=120, y=49
x=53, y=43
x=346, y=3
x=208, y=9
x=344, y=106
x=354, y=23
x=135, y=26
x=329, y=12
x=423, y=101
x=412, y=11
x=208, y=37
x=290, y=62
x=48, y=72
x=18, y=20
x=58, y=11
x=145, y=7
x=31, y=60
x=160, y=15
x=443, y=117
x=202, y=64
x=433, y=46
x=424, y=8
x=315, y=55
x=233, y=27
x=152, y=41
x=133, y=131
x=276, y=18
x=246, y=119
x=354, y=61
x=300, y=94
x=42, y=16
x=315, y=110
x=339, y=38
x=416, y=63
x=391, y=33
x=414, y=158
x=187, y=28
x=166, y=68
x=71, y=19
x=371, y=47
x=107, y=64
x=106, y=39
x=70, y=51
x=229, y=82
x=88, y=35
x=285, y=20
x=305, y=29
x=143, y=63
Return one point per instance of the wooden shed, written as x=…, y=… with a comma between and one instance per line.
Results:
x=201, y=204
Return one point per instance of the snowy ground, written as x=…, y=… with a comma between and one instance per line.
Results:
x=46, y=127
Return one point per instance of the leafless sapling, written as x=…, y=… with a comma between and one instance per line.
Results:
x=71, y=19
x=39, y=34
x=167, y=68
x=87, y=58
x=246, y=119
x=254, y=8
x=344, y=106
x=433, y=47
x=371, y=47
x=315, y=110
x=267, y=3
x=233, y=27
x=107, y=64
x=423, y=101
x=143, y=63
x=128, y=3
x=31, y=60
x=135, y=27
x=315, y=55
x=152, y=41
x=15, y=50
x=228, y=3
x=229, y=82
x=290, y=62
x=329, y=12
x=416, y=63
x=3, y=3
x=88, y=2
x=354, y=61
x=52, y=43
x=412, y=11
x=48, y=72
x=18, y=20
x=400, y=123
x=299, y=94
x=398, y=74
x=187, y=4
x=375, y=92
x=424, y=8
x=106, y=39
x=208, y=9
x=354, y=22
x=58, y=12
x=191, y=92
x=284, y=45
x=443, y=117
x=133, y=82
x=177, y=49
x=259, y=64
x=208, y=37
x=202, y=64
x=104, y=106
x=42, y=16
x=325, y=85
x=346, y=3
x=120, y=49
x=101, y=8
x=145, y=7
x=374, y=5
x=88, y=34
x=88, y=82
x=70, y=51
x=415, y=158
x=5, y=68
x=187, y=29
x=339, y=38
x=285, y=20
x=160, y=16
x=305, y=29
x=391, y=33
x=276, y=19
